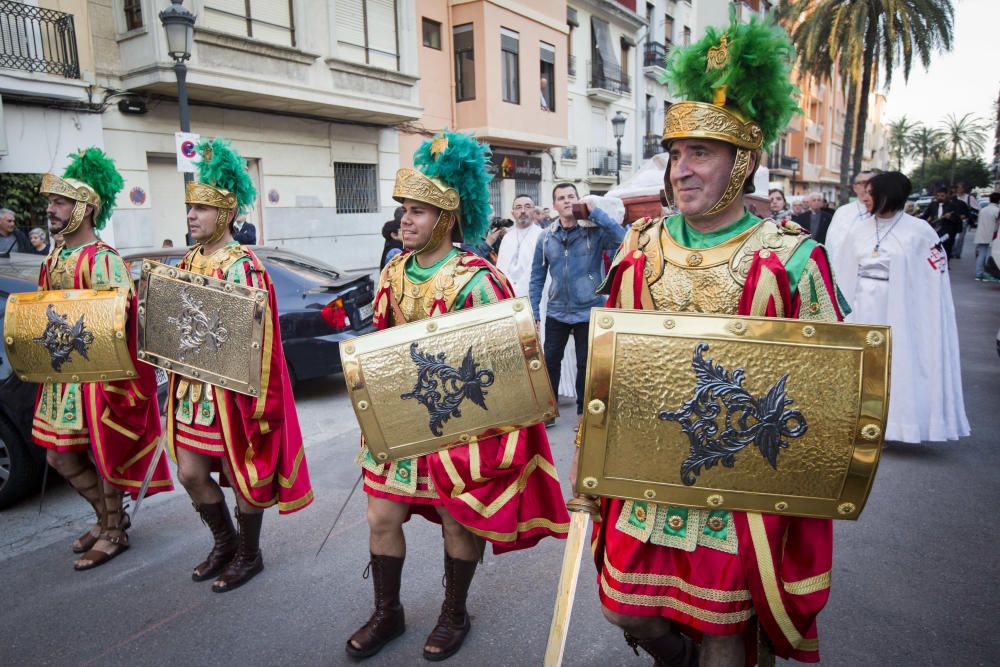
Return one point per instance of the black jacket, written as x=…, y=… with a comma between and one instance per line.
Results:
x=818, y=234
x=246, y=235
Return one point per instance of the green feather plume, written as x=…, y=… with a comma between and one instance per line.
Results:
x=757, y=76
x=463, y=165
x=226, y=170
x=93, y=167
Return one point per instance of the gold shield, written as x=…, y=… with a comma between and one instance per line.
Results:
x=424, y=386
x=68, y=336
x=741, y=413
x=201, y=327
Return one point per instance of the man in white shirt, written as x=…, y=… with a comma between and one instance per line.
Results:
x=847, y=214
x=986, y=229
x=518, y=248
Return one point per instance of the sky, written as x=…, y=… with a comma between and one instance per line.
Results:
x=966, y=79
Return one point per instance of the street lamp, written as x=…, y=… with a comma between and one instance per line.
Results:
x=178, y=23
x=618, y=126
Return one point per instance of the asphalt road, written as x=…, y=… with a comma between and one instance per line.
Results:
x=915, y=580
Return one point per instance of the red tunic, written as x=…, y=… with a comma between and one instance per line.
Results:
x=258, y=436
x=503, y=489
x=120, y=420
x=774, y=567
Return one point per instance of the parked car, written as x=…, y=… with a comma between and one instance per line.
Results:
x=21, y=461
x=318, y=305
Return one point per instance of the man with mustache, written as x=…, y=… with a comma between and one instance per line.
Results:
x=99, y=434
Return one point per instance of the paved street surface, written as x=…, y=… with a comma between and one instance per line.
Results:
x=915, y=580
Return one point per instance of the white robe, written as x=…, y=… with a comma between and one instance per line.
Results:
x=914, y=298
x=843, y=218
x=517, y=252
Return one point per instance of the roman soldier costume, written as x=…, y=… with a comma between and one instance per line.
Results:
x=255, y=438
x=715, y=571
x=116, y=421
x=502, y=489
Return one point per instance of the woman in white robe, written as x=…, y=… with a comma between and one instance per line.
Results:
x=893, y=271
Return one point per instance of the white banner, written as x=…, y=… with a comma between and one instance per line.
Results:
x=186, y=141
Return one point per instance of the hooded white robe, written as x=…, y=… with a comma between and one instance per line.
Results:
x=907, y=287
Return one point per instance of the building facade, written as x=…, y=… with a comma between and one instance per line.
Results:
x=497, y=69
x=309, y=91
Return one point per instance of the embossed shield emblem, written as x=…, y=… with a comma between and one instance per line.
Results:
x=68, y=336
x=428, y=385
x=741, y=413
x=201, y=327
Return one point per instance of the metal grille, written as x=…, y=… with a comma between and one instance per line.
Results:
x=496, y=201
x=356, y=187
x=33, y=39
x=528, y=188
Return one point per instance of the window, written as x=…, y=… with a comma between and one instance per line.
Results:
x=432, y=34
x=668, y=30
x=496, y=196
x=687, y=36
x=266, y=20
x=465, y=63
x=133, y=14
x=510, y=66
x=356, y=187
x=547, y=57
x=366, y=32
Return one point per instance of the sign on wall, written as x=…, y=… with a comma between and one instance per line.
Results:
x=520, y=167
x=186, y=142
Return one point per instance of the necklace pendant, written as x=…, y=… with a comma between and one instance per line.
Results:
x=875, y=253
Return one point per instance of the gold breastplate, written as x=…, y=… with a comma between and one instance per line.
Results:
x=61, y=273
x=416, y=299
x=221, y=260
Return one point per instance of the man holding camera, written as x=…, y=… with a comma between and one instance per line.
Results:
x=518, y=249
x=572, y=253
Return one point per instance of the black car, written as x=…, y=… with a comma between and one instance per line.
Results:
x=21, y=461
x=318, y=305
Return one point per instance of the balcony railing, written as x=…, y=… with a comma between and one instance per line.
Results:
x=33, y=39
x=604, y=161
x=651, y=145
x=571, y=65
x=654, y=55
x=608, y=77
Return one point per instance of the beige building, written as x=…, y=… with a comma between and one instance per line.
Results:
x=496, y=68
x=309, y=91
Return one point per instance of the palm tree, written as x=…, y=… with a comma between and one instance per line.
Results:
x=927, y=142
x=864, y=39
x=899, y=139
x=966, y=136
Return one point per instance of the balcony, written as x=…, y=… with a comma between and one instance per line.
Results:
x=654, y=57
x=38, y=40
x=782, y=164
x=602, y=163
x=607, y=83
x=571, y=66
x=651, y=145
x=814, y=131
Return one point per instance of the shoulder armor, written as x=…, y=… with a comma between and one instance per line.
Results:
x=769, y=235
x=644, y=223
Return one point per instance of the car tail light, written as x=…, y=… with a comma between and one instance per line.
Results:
x=336, y=315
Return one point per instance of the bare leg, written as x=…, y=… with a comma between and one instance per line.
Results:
x=385, y=523
x=654, y=635
x=722, y=651
x=241, y=502
x=194, y=472
x=458, y=542
x=640, y=627
x=77, y=469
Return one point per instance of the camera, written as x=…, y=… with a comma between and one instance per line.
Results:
x=499, y=223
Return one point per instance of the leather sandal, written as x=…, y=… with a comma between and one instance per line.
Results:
x=87, y=540
x=388, y=620
x=113, y=532
x=248, y=561
x=454, y=622
x=216, y=517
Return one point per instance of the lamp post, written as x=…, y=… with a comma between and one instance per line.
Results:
x=178, y=23
x=618, y=126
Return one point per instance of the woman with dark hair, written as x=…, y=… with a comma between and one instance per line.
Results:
x=390, y=232
x=892, y=269
x=778, y=205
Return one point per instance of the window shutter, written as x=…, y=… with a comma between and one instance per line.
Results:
x=351, y=30
x=272, y=21
x=382, y=33
x=225, y=16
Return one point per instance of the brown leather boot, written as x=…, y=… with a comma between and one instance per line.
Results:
x=388, y=620
x=248, y=561
x=216, y=517
x=87, y=483
x=454, y=622
x=669, y=650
